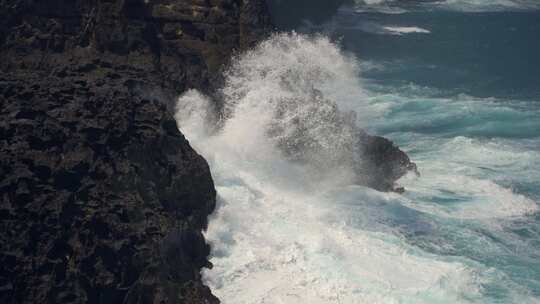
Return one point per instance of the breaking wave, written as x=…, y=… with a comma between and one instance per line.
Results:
x=300, y=232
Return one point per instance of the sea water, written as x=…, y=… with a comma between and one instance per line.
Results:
x=455, y=84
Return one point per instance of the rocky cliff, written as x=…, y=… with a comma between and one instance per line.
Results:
x=102, y=199
x=166, y=44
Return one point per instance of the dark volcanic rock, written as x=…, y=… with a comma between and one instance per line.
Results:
x=314, y=131
x=171, y=44
x=385, y=162
x=102, y=199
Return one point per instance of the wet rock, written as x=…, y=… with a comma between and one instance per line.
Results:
x=385, y=162
x=171, y=44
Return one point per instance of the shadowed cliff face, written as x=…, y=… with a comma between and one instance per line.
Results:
x=94, y=178
x=170, y=44
x=102, y=199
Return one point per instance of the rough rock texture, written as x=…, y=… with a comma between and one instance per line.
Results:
x=170, y=44
x=102, y=200
x=385, y=162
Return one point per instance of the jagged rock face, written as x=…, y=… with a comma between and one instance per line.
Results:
x=385, y=162
x=102, y=199
x=172, y=44
x=96, y=180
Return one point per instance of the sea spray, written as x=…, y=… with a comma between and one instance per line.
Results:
x=462, y=100
x=285, y=232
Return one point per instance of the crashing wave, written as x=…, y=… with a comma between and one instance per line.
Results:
x=309, y=107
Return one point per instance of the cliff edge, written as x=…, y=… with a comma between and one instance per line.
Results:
x=102, y=199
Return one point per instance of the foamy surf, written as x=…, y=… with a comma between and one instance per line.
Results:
x=286, y=232
x=475, y=6
x=400, y=30
x=489, y=6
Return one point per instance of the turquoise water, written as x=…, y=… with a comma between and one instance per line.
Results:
x=480, y=182
x=463, y=100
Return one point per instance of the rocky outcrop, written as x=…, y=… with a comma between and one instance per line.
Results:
x=377, y=162
x=384, y=161
x=315, y=132
x=102, y=199
x=170, y=44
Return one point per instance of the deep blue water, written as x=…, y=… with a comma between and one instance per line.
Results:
x=485, y=54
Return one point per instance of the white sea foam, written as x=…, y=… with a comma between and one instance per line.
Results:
x=470, y=173
x=400, y=30
x=286, y=233
x=380, y=6
x=490, y=5
x=482, y=199
x=376, y=28
x=393, y=6
x=198, y=115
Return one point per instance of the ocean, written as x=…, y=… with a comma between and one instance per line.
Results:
x=455, y=84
